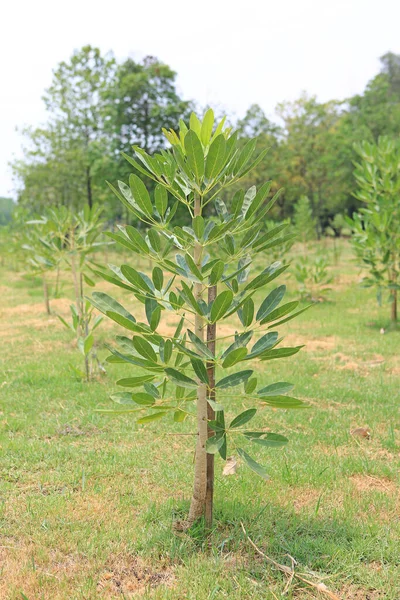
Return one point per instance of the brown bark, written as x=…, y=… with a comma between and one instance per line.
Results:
x=393, y=316
x=211, y=335
x=46, y=296
x=89, y=187
x=197, y=505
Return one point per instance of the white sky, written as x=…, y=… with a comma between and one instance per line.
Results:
x=226, y=52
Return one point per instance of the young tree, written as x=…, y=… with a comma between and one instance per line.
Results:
x=303, y=219
x=376, y=228
x=44, y=246
x=81, y=242
x=185, y=374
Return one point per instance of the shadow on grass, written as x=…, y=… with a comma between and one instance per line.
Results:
x=309, y=538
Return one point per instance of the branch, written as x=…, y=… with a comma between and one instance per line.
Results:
x=290, y=572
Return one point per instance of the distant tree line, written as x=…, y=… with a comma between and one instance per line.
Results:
x=98, y=109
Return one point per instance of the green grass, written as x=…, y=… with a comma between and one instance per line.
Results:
x=88, y=501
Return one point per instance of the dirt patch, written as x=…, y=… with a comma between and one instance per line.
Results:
x=348, y=363
x=124, y=575
x=306, y=498
x=368, y=483
x=351, y=592
x=312, y=345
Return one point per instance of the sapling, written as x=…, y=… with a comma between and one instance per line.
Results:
x=313, y=277
x=190, y=373
x=80, y=243
x=45, y=243
x=376, y=226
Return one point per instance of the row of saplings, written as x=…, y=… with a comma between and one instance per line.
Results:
x=178, y=372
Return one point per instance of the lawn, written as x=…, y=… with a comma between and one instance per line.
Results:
x=88, y=500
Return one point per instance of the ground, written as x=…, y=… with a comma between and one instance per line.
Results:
x=88, y=500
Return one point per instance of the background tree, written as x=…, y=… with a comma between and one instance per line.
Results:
x=304, y=221
x=312, y=160
x=376, y=228
x=376, y=112
x=7, y=206
x=76, y=101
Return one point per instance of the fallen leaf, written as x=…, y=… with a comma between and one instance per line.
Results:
x=230, y=466
x=361, y=432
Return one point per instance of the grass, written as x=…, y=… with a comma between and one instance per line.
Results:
x=88, y=501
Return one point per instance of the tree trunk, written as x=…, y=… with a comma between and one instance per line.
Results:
x=89, y=187
x=57, y=282
x=393, y=316
x=211, y=335
x=197, y=505
x=46, y=296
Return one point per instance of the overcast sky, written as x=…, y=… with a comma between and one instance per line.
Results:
x=225, y=52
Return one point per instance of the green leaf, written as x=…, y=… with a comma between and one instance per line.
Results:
x=137, y=239
x=234, y=357
x=193, y=267
x=271, y=302
x=215, y=442
x=198, y=226
x=240, y=341
x=180, y=379
x=258, y=199
x=125, y=322
x=280, y=312
x=179, y=416
x=216, y=272
x=245, y=155
x=194, y=123
x=135, y=278
x=280, y=353
x=154, y=240
x=199, y=369
x=140, y=194
x=207, y=126
x=290, y=317
x=149, y=418
x=265, y=277
x=215, y=157
x=155, y=318
x=200, y=345
x=234, y=379
x=161, y=199
x=221, y=305
x=271, y=440
x=135, y=381
x=250, y=385
x=243, y=418
x=89, y=281
x=281, y=387
x=104, y=303
x=284, y=402
x=144, y=348
x=266, y=342
x=88, y=344
x=246, y=313
x=158, y=278
x=194, y=153
x=254, y=466
x=64, y=322
x=143, y=399
x=248, y=199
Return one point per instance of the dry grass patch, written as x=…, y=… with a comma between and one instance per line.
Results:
x=131, y=575
x=352, y=592
x=368, y=483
